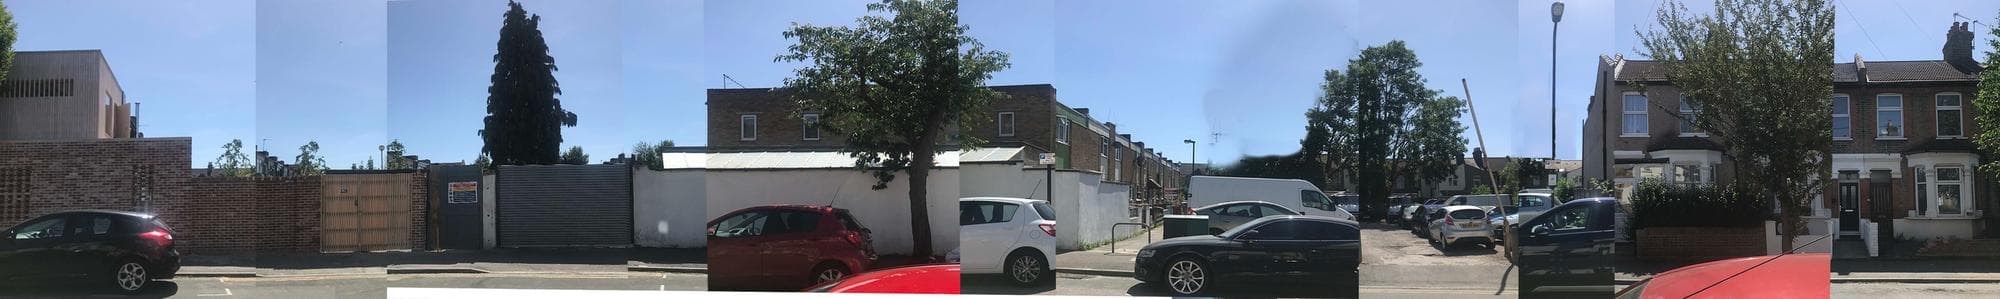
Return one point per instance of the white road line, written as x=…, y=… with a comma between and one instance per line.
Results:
x=225, y=292
x=663, y=287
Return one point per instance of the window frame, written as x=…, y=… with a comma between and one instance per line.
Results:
x=1938, y=109
x=746, y=127
x=1062, y=130
x=1902, y=121
x=1004, y=122
x=1688, y=115
x=1937, y=189
x=809, y=126
x=1843, y=117
x=1645, y=127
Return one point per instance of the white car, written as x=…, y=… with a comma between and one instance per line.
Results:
x=1011, y=236
x=1452, y=225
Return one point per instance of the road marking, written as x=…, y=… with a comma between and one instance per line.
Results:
x=225, y=292
x=663, y=287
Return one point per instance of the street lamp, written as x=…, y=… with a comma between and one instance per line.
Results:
x=1190, y=143
x=1555, y=19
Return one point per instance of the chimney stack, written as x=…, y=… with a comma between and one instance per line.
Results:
x=1084, y=111
x=1958, y=48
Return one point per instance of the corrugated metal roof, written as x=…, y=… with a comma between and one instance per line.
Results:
x=992, y=154
x=777, y=160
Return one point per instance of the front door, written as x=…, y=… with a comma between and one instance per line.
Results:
x=1850, y=203
x=1881, y=206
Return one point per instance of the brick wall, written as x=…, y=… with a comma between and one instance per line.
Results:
x=228, y=215
x=1699, y=244
x=90, y=174
x=1919, y=115
x=420, y=210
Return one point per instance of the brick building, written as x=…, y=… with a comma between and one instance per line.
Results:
x=1902, y=163
x=1030, y=117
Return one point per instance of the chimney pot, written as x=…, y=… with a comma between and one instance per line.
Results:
x=1958, y=48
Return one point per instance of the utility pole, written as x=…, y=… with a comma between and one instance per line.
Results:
x=1508, y=234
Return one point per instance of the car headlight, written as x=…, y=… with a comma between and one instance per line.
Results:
x=1146, y=253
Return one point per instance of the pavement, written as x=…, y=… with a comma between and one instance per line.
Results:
x=1113, y=259
x=519, y=261
x=377, y=285
x=1877, y=290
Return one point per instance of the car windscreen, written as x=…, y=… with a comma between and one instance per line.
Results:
x=1347, y=200
x=1468, y=214
x=1047, y=212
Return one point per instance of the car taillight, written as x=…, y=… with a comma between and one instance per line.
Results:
x=856, y=239
x=1048, y=228
x=1447, y=221
x=160, y=236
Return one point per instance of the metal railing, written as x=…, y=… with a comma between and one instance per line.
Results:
x=1114, y=233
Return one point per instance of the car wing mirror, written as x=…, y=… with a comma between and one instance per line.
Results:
x=1538, y=231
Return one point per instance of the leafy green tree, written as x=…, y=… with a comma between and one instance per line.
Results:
x=1759, y=72
x=1481, y=189
x=308, y=162
x=1293, y=166
x=575, y=156
x=6, y=41
x=1986, y=108
x=524, y=119
x=648, y=155
x=1364, y=116
x=1431, y=149
x=1565, y=189
x=891, y=85
x=485, y=163
x=233, y=162
x=1520, y=173
x=395, y=152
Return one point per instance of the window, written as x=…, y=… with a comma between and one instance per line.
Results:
x=971, y=213
x=1314, y=199
x=1635, y=114
x=34, y=88
x=786, y=222
x=1574, y=218
x=50, y=228
x=1326, y=231
x=1103, y=155
x=1889, y=116
x=100, y=225
x=1923, y=192
x=1062, y=130
x=1948, y=188
x=1688, y=113
x=1271, y=210
x=1274, y=230
x=740, y=225
x=1047, y=212
x=811, y=123
x=1842, y=117
x=1687, y=173
x=1950, y=115
x=748, y=128
x=1006, y=124
x=1118, y=163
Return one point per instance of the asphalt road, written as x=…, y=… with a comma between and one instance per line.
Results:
x=376, y=286
x=1915, y=290
x=1092, y=285
x=1392, y=257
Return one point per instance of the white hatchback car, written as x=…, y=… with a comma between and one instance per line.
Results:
x=1011, y=236
x=1452, y=225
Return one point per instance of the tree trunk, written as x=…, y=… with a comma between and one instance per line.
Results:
x=922, y=154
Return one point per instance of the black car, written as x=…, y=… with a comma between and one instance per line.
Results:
x=1289, y=245
x=1568, y=249
x=121, y=250
x=1420, y=221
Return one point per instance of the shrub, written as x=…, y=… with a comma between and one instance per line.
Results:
x=1657, y=204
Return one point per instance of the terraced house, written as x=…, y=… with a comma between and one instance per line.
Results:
x=1902, y=164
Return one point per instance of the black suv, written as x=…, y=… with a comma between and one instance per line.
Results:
x=121, y=250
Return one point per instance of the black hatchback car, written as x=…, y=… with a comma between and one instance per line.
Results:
x=1567, y=250
x=1286, y=245
x=121, y=250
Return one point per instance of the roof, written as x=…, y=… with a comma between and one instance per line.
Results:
x=777, y=160
x=1682, y=143
x=1878, y=71
x=992, y=154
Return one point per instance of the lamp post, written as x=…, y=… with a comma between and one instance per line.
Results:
x=1555, y=20
x=1190, y=172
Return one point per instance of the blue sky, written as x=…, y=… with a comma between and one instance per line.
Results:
x=190, y=65
x=320, y=77
x=440, y=56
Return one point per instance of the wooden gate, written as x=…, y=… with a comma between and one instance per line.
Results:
x=365, y=212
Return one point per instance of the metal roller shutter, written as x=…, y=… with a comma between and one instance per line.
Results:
x=564, y=206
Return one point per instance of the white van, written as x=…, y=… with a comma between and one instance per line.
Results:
x=1297, y=195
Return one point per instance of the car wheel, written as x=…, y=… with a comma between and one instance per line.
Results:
x=129, y=277
x=829, y=271
x=1487, y=244
x=1187, y=276
x=1025, y=268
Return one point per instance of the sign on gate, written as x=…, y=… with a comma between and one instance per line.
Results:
x=463, y=193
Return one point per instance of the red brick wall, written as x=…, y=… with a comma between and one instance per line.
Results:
x=228, y=215
x=90, y=174
x=420, y=210
x=1699, y=244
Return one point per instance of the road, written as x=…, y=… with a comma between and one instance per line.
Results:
x=1915, y=290
x=376, y=286
x=1392, y=257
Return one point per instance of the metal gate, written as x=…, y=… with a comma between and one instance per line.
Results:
x=455, y=204
x=364, y=212
x=564, y=206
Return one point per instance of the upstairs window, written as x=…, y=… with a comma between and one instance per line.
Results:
x=1006, y=124
x=1950, y=115
x=1843, y=118
x=1062, y=130
x=811, y=123
x=1688, y=113
x=1889, y=116
x=748, y=127
x=1634, y=119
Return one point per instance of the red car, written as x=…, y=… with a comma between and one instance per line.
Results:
x=786, y=247
x=1779, y=276
x=919, y=279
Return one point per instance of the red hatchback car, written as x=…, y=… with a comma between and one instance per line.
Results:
x=919, y=279
x=1780, y=276
x=787, y=247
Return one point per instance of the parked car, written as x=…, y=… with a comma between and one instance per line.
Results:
x=1347, y=202
x=1484, y=201
x=786, y=247
x=1502, y=218
x=1395, y=211
x=1297, y=195
x=1299, y=245
x=1012, y=236
x=1225, y=216
x=124, y=251
x=1777, y=276
x=919, y=279
x=1414, y=217
x=1568, y=247
x=1453, y=225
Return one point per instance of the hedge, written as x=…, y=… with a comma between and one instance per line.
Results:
x=1657, y=204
